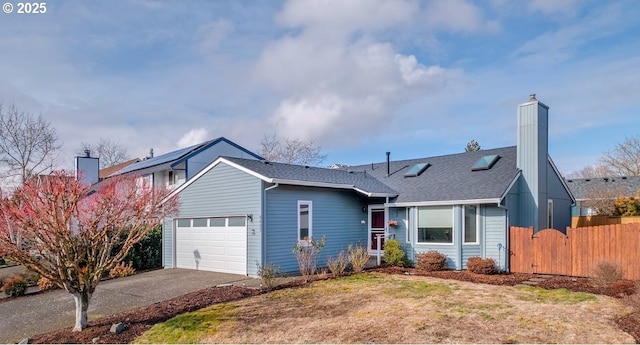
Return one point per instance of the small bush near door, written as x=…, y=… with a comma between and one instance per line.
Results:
x=358, y=256
x=307, y=253
x=431, y=261
x=394, y=254
x=339, y=264
x=479, y=265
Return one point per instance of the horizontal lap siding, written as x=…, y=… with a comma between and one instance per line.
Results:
x=225, y=191
x=336, y=215
x=470, y=250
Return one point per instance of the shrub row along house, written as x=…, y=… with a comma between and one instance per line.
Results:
x=238, y=211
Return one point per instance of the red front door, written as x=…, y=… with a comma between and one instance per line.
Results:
x=377, y=228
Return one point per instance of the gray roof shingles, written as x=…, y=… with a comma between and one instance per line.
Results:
x=282, y=171
x=583, y=188
x=449, y=178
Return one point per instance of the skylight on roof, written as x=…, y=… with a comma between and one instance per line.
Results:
x=485, y=163
x=417, y=169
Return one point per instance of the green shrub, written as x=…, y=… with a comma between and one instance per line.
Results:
x=146, y=254
x=479, y=265
x=338, y=265
x=607, y=273
x=394, y=254
x=14, y=287
x=270, y=275
x=358, y=256
x=431, y=261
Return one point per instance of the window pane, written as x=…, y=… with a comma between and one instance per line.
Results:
x=217, y=221
x=200, y=223
x=377, y=219
x=236, y=221
x=303, y=211
x=184, y=223
x=435, y=235
x=470, y=226
x=435, y=224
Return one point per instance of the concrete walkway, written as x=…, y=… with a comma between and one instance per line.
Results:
x=29, y=315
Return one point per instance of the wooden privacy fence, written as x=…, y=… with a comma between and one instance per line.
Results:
x=580, y=221
x=577, y=253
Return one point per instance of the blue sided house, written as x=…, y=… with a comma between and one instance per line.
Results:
x=238, y=213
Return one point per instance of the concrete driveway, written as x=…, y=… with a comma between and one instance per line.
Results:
x=29, y=315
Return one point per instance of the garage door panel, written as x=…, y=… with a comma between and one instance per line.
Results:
x=219, y=249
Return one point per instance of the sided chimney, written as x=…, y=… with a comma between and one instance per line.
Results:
x=87, y=168
x=532, y=156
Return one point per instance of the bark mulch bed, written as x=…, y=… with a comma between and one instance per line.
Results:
x=139, y=320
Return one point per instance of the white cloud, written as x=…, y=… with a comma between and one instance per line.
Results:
x=213, y=34
x=553, y=6
x=193, y=137
x=341, y=86
x=457, y=16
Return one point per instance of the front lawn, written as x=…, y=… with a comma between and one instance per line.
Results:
x=381, y=308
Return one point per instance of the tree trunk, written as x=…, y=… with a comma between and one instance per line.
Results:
x=82, y=305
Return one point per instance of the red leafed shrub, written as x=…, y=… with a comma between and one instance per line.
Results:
x=479, y=265
x=431, y=261
x=623, y=288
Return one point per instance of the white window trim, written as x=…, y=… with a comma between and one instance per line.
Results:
x=310, y=204
x=453, y=229
x=407, y=226
x=464, y=224
x=550, y=214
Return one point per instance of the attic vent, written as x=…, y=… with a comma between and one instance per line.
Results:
x=417, y=169
x=624, y=177
x=485, y=163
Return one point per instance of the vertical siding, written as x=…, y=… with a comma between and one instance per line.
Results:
x=494, y=223
x=532, y=154
x=561, y=200
x=336, y=215
x=224, y=191
x=167, y=243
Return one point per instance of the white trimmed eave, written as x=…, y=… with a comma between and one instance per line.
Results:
x=513, y=182
x=444, y=202
x=273, y=180
x=564, y=183
x=211, y=166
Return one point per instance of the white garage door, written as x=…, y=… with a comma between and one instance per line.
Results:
x=212, y=244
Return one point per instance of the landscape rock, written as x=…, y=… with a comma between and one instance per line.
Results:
x=24, y=341
x=95, y=340
x=117, y=328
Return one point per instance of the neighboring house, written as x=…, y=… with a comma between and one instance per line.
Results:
x=590, y=192
x=237, y=214
x=104, y=173
x=174, y=168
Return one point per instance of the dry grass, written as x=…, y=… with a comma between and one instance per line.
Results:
x=379, y=308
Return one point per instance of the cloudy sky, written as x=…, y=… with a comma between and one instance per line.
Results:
x=360, y=77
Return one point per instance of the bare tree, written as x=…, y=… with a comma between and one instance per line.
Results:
x=55, y=227
x=472, y=146
x=601, y=198
x=291, y=151
x=596, y=170
x=28, y=145
x=109, y=152
x=624, y=159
